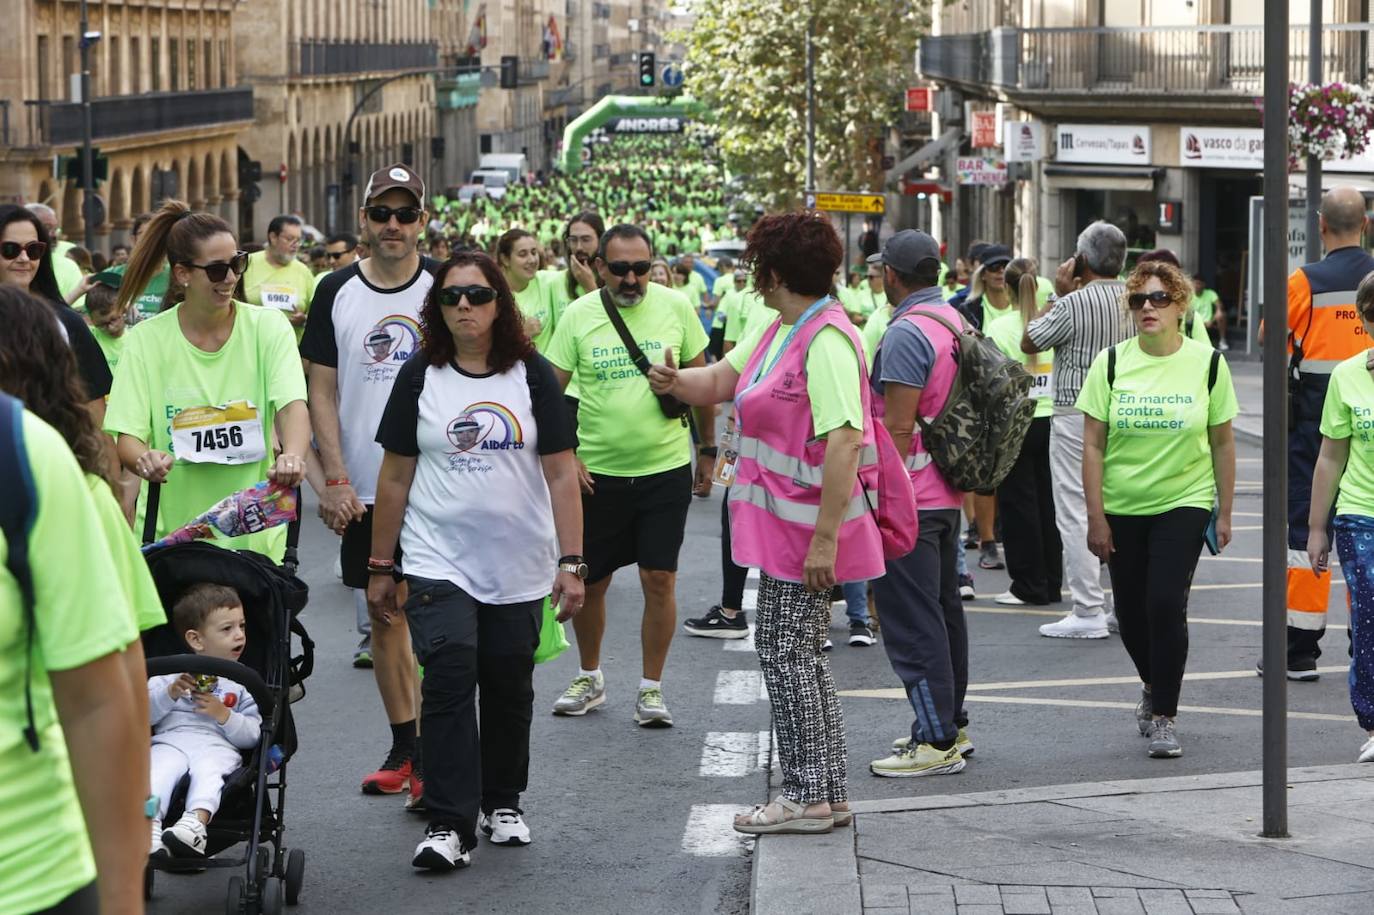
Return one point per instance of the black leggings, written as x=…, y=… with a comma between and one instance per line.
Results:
x=1152, y=570
x=1025, y=506
x=732, y=576
x=84, y=901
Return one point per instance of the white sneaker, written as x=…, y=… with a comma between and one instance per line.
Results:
x=338, y=567
x=504, y=826
x=1009, y=599
x=157, y=849
x=186, y=839
x=1074, y=626
x=441, y=850
x=1366, y=752
x=827, y=645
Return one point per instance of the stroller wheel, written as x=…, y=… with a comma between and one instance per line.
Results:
x=147, y=883
x=295, y=875
x=273, y=896
x=233, y=900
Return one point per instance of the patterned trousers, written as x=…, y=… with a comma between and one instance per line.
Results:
x=1355, y=546
x=792, y=624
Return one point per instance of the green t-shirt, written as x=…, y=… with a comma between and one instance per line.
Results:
x=1349, y=413
x=131, y=570
x=149, y=301
x=1043, y=290
x=622, y=431
x=112, y=347
x=45, y=852
x=1198, y=331
x=866, y=301
x=557, y=281
x=68, y=272
x=873, y=330
x=694, y=288
x=992, y=313
x=1204, y=305
x=947, y=293
x=832, y=374
x=536, y=301
x=286, y=288
x=1006, y=332
x=161, y=373
x=1157, y=414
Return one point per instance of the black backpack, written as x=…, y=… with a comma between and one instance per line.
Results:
x=18, y=511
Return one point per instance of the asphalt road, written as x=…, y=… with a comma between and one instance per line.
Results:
x=634, y=821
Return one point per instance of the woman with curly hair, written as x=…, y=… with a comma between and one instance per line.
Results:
x=797, y=501
x=478, y=451
x=1158, y=454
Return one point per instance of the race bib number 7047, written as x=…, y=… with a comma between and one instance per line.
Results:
x=225, y=434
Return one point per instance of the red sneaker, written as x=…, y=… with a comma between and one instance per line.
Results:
x=392, y=777
x=415, y=801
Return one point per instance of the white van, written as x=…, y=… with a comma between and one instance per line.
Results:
x=493, y=181
x=513, y=164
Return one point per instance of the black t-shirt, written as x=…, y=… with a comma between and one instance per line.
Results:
x=90, y=360
x=350, y=290
x=397, y=431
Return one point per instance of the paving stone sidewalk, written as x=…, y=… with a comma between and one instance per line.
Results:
x=1169, y=846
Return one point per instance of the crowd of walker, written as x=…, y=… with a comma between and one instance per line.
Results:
x=563, y=389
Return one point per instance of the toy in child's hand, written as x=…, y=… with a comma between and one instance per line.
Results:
x=206, y=682
x=247, y=511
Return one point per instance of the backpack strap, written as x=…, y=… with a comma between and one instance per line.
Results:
x=1212, y=370
x=1111, y=369
x=18, y=511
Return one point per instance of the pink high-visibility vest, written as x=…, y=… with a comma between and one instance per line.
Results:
x=932, y=490
x=776, y=496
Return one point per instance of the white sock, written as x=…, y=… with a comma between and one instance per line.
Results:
x=646, y=683
x=594, y=674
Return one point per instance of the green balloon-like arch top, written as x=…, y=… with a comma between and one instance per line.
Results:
x=617, y=106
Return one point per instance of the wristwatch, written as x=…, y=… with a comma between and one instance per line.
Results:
x=708, y=451
x=574, y=565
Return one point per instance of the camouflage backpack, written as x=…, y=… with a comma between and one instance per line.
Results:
x=977, y=436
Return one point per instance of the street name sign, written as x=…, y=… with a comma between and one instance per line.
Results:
x=835, y=202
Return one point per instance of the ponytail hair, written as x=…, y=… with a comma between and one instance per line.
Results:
x=173, y=236
x=1023, y=286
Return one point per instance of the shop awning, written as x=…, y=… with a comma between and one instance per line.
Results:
x=1067, y=177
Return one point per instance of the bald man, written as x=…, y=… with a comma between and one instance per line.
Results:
x=1323, y=329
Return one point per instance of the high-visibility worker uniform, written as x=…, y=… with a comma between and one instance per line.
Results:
x=1324, y=328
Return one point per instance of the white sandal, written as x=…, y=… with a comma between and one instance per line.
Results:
x=782, y=816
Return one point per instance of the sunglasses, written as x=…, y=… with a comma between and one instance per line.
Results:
x=217, y=271
x=476, y=295
x=335, y=255
x=1159, y=298
x=621, y=268
x=9, y=250
x=404, y=215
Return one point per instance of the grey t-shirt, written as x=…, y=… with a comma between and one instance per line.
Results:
x=905, y=354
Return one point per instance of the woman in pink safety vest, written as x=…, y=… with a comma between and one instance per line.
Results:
x=805, y=455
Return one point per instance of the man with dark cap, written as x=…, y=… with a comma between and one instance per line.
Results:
x=924, y=631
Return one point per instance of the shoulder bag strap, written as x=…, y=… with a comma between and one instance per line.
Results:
x=1212, y=370
x=1111, y=370
x=631, y=347
x=18, y=511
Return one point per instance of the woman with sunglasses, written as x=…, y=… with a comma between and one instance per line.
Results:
x=1159, y=463
x=26, y=262
x=517, y=252
x=479, y=486
x=207, y=388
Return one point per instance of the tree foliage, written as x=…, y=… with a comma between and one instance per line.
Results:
x=746, y=59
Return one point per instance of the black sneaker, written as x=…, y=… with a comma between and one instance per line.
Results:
x=716, y=625
x=1303, y=670
x=441, y=850
x=860, y=636
x=971, y=541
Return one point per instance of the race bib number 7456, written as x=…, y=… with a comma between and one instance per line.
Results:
x=225, y=434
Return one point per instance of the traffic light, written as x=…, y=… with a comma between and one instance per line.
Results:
x=647, y=77
x=510, y=71
x=436, y=147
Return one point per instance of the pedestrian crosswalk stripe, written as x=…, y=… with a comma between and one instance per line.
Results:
x=1094, y=704
x=744, y=644
x=710, y=831
x=731, y=754
x=739, y=687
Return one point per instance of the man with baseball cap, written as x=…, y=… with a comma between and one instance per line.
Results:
x=924, y=631
x=362, y=327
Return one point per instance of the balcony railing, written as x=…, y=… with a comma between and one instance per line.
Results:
x=1224, y=59
x=533, y=70
x=340, y=58
x=59, y=123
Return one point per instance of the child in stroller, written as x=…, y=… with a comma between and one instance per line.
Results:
x=200, y=724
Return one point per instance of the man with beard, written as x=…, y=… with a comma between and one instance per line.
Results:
x=579, y=277
x=363, y=326
x=637, y=477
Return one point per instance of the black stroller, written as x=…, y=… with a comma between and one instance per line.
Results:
x=252, y=803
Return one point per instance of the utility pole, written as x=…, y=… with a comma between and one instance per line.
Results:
x=811, y=104
x=1314, y=165
x=1275, y=569
x=88, y=214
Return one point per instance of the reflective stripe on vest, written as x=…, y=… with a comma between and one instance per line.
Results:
x=915, y=462
x=784, y=465
x=787, y=510
x=1318, y=366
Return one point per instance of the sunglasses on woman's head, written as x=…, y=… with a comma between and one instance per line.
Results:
x=9, y=250
x=217, y=271
x=404, y=215
x=621, y=268
x=1159, y=298
x=477, y=295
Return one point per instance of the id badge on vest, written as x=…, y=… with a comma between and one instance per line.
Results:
x=727, y=456
x=225, y=434
x=1042, y=380
x=283, y=298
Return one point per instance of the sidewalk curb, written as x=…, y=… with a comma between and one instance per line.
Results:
x=795, y=875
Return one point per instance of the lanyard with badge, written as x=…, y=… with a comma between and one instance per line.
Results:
x=728, y=457
x=225, y=434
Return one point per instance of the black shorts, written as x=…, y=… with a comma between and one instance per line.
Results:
x=356, y=548
x=635, y=520
x=716, y=346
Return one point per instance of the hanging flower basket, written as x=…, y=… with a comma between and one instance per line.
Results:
x=1329, y=122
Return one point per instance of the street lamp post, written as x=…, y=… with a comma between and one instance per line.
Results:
x=811, y=104
x=88, y=213
x=1275, y=568
x=1314, y=164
